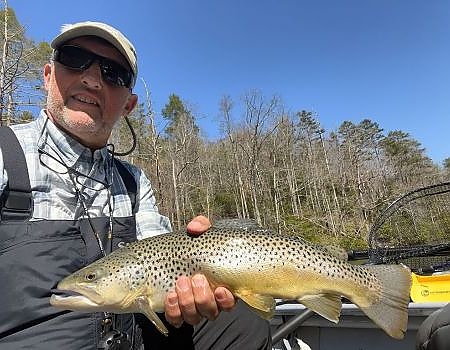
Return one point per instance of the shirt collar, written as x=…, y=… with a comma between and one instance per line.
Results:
x=69, y=149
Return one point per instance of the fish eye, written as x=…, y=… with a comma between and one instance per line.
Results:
x=90, y=276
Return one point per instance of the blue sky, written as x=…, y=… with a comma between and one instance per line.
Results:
x=386, y=60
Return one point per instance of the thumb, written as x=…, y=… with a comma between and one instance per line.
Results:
x=198, y=225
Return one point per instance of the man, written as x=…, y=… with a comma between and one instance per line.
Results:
x=434, y=332
x=86, y=203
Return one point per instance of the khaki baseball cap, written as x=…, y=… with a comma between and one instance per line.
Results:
x=101, y=30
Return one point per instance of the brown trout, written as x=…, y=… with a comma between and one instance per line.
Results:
x=256, y=265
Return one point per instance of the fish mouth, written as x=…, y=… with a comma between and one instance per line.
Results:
x=70, y=300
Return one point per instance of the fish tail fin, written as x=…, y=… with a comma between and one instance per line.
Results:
x=390, y=312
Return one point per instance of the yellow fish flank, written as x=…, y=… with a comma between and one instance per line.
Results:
x=256, y=265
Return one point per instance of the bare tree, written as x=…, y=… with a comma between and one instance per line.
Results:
x=20, y=70
x=240, y=194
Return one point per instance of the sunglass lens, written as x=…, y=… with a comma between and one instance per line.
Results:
x=115, y=74
x=74, y=57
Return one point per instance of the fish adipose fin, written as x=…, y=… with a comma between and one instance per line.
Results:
x=263, y=305
x=326, y=305
x=145, y=308
x=390, y=312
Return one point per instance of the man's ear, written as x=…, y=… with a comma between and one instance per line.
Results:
x=47, y=75
x=131, y=103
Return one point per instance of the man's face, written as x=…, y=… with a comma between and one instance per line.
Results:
x=82, y=103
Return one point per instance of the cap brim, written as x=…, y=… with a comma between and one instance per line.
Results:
x=102, y=31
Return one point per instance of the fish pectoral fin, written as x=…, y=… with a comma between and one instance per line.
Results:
x=153, y=317
x=145, y=307
x=263, y=305
x=326, y=305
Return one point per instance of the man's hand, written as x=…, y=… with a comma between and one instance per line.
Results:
x=193, y=298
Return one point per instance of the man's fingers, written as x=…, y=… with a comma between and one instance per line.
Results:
x=204, y=297
x=224, y=298
x=193, y=299
x=172, y=310
x=198, y=225
x=186, y=301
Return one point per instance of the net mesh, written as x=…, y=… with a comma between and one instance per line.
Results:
x=414, y=230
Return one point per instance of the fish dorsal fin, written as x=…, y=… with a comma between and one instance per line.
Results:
x=326, y=305
x=263, y=305
x=240, y=224
x=144, y=307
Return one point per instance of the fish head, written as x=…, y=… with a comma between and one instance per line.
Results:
x=110, y=284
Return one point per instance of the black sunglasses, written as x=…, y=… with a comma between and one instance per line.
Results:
x=77, y=58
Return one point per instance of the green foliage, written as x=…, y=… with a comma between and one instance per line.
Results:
x=402, y=149
x=22, y=68
x=174, y=108
x=36, y=56
x=360, y=140
x=351, y=242
x=13, y=24
x=225, y=204
x=25, y=117
x=446, y=164
x=176, y=113
x=309, y=124
x=314, y=233
x=305, y=229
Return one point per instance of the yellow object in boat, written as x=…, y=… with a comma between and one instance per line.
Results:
x=435, y=288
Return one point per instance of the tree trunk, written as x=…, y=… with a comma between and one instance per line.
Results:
x=4, y=119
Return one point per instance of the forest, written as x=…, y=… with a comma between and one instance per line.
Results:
x=279, y=167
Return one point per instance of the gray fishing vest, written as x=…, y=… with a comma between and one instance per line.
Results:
x=35, y=255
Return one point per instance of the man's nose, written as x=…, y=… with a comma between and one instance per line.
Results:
x=92, y=76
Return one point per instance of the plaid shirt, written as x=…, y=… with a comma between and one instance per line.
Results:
x=54, y=194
